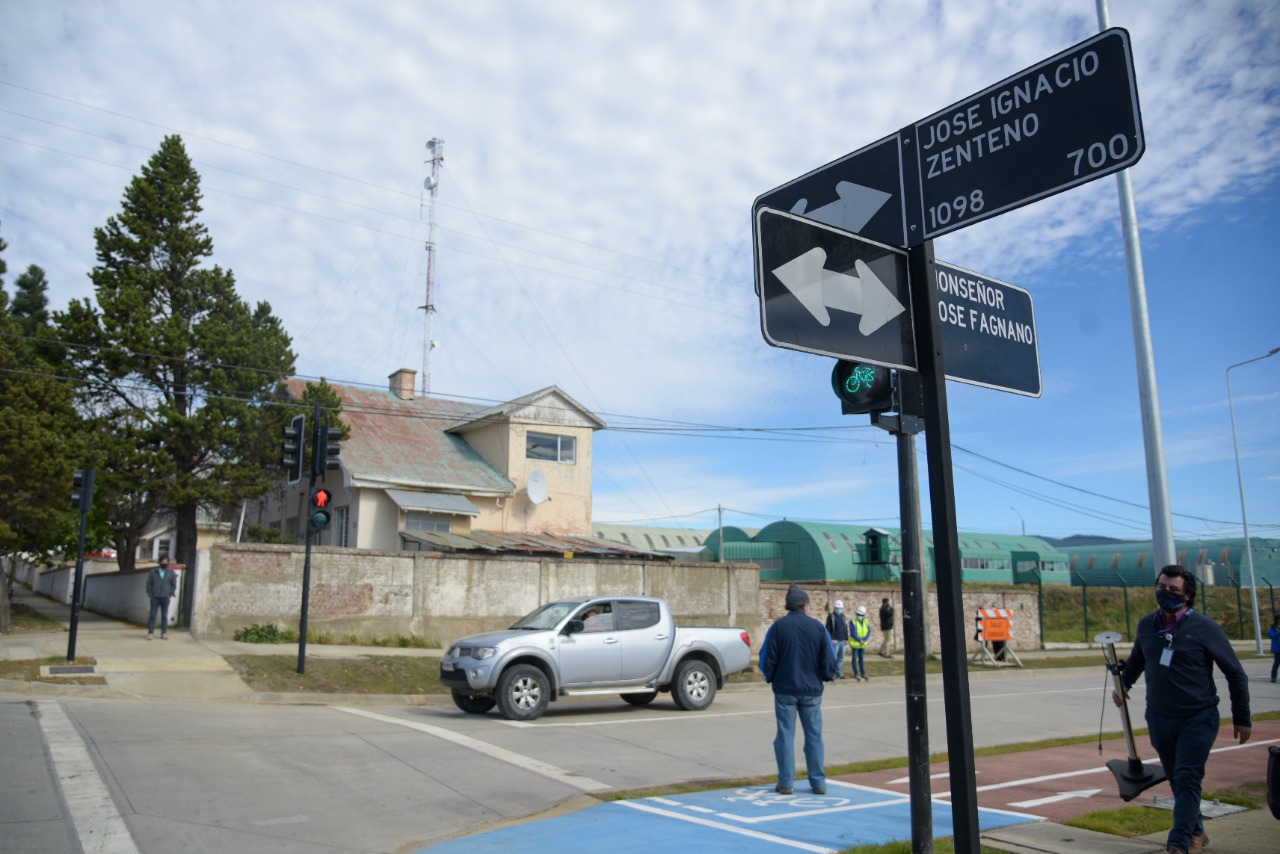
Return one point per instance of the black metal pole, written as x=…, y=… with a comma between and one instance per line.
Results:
x=305, y=520
x=913, y=644
x=942, y=504
x=78, y=582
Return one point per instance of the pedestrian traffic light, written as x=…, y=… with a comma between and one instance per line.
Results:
x=862, y=388
x=291, y=450
x=82, y=489
x=326, y=449
x=321, y=499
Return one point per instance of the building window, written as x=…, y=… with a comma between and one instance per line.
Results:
x=340, y=527
x=544, y=446
x=431, y=523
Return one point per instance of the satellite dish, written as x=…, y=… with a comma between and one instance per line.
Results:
x=429, y=183
x=537, y=486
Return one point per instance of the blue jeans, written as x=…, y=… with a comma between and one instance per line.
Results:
x=857, y=663
x=161, y=605
x=839, y=645
x=785, y=708
x=1183, y=745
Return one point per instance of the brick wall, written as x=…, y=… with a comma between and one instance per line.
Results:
x=1023, y=604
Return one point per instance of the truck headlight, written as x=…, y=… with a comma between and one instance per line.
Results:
x=480, y=653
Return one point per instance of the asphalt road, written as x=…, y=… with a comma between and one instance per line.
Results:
x=156, y=776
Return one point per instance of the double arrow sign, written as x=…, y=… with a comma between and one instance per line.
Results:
x=831, y=293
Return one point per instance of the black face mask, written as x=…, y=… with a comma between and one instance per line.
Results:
x=1170, y=601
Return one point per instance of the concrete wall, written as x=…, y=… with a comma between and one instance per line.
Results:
x=1024, y=604
x=437, y=597
x=122, y=595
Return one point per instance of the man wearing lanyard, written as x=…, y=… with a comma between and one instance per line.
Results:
x=1176, y=648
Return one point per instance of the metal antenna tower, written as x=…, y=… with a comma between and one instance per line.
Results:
x=432, y=183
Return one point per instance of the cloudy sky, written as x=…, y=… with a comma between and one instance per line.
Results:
x=594, y=227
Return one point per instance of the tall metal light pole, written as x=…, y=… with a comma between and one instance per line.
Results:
x=1244, y=512
x=1020, y=519
x=1149, y=397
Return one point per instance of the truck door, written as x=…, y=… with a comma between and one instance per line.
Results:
x=594, y=654
x=645, y=640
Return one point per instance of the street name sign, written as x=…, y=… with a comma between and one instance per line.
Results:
x=1060, y=123
x=831, y=293
x=988, y=331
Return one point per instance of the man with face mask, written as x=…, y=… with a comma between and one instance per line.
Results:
x=1176, y=648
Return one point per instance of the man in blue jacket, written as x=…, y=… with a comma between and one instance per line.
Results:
x=796, y=658
x=1176, y=649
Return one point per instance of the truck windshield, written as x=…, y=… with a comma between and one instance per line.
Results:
x=546, y=617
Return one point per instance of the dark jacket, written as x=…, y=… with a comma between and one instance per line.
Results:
x=1186, y=686
x=838, y=627
x=796, y=657
x=162, y=584
x=886, y=617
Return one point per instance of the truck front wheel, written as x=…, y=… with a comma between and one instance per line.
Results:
x=472, y=705
x=523, y=693
x=695, y=685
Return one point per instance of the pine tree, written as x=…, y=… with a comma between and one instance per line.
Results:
x=178, y=369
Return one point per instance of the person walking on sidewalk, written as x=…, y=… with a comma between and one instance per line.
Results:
x=838, y=628
x=796, y=659
x=162, y=584
x=1274, y=634
x=859, y=636
x=886, y=628
x=1176, y=649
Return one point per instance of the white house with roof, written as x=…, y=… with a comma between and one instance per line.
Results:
x=429, y=465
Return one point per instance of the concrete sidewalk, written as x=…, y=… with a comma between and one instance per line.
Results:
x=179, y=668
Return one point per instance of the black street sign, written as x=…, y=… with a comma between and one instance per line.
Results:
x=831, y=293
x=988, y=331
x=1063, y=122
x=860, y=193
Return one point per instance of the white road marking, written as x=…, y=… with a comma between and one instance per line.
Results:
x=97, y=822
x=1010, y=784
x=1053, y=799
x=742, y=831
x=569, y=778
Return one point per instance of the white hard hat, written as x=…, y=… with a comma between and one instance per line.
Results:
x=839, y=604
x=862, y=610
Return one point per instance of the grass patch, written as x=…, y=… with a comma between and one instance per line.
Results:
x=941, y=845
x=26, y=620
x=273, y=634
x=373, y=674
x=28, y=670
x=1135, y=821
x=1064, y=610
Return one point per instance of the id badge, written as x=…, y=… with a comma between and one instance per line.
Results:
x=1166, y=657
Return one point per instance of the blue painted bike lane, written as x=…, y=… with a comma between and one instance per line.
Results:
x=749, y=820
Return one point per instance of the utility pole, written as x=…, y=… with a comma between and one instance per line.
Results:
x=432, y=183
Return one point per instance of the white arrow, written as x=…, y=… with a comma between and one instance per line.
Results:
x=819, y=289
x=1052, y=799
x=902, y=780
x=854, y=209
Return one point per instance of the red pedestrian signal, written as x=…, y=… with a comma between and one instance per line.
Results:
x=321, y=498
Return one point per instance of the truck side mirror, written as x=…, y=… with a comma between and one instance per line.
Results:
x=573, y=627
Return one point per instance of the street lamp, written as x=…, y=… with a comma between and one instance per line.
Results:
x=1244, y=513
x=1020, y=519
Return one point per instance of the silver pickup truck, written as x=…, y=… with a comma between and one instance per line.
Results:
x=627, y=645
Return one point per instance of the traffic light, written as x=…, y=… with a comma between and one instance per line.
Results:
x=82, y=489
x=862, y=388
x=291, y=450
x=321, y=499
x=326, y=449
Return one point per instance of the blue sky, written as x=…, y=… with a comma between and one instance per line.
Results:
x=595, y=231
